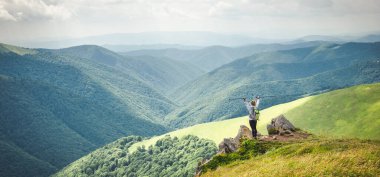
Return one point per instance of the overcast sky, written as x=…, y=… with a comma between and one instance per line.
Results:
x=54, y=19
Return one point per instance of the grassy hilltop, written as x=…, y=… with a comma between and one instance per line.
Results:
x=350, y=112
x=315, y=157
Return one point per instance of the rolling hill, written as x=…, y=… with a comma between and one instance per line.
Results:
x=168, y=157
x=163, y=74
x=55, y=107
x=164, y=155
x=325, y=114
x=288, y=74
x=314, y=157
x=212, y=57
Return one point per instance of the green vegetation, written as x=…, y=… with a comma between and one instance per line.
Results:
x=248, y=149
x=210, y=58
x=289, y=75
x=57, y=108
x=321, y=111
x=58, y=105
x=168, y=157
x=217, y=131
x=4, y=48
x=13, y=159
x=162, y=74
x=352, y=112
x=312, y=157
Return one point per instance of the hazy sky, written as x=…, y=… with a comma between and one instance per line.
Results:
x=53, y=19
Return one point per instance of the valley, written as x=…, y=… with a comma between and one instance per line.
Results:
x=57, y=105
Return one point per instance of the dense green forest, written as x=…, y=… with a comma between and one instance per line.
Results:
x=168, y=157
x=288, y=75
x=57, y=108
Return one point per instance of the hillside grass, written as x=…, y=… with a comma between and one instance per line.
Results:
x=217, y=131
x=351, y=112
x=5, y=48
x=316, y=157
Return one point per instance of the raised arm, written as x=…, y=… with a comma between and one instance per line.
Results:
x=257, y=102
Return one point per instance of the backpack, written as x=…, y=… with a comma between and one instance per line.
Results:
x=257, y=113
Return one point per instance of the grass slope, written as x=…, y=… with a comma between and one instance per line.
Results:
x=316, y=157
x=5, y=48
x=353, y=112
x=320, y=114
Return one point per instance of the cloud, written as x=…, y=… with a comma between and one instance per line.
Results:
x=4, y=14
x=256, y=17
x=33, y=10
x=316, y=3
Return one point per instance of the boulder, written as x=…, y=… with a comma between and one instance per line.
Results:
x=244, y=133
x=280, y=126
x=272, y=130
x=229, y=145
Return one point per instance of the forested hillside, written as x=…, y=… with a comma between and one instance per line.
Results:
x=210, y=58
x=168, y=157
x=56, y=108
x=287, y=75
x=163, y=74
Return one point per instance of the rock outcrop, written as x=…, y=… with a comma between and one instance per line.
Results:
x=280, y=129
x=280, y=126
x=229, y=145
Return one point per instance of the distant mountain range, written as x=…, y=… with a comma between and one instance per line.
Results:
x=160, y=73
x=212, y=57
x=189, y=38
x=122, y=42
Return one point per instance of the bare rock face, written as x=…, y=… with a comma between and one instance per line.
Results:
x=244, y=133
x=280, y=126
x=229, y=145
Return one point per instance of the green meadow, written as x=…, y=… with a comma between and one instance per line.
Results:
x=351, y=113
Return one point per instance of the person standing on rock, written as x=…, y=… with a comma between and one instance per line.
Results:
x=251, y=107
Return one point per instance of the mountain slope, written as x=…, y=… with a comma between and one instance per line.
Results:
x=163, y=74
x=57, y=108
x=285, y=74
x=13, y=159
x=166, y=156
x=324, y=114
x=212, y=57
